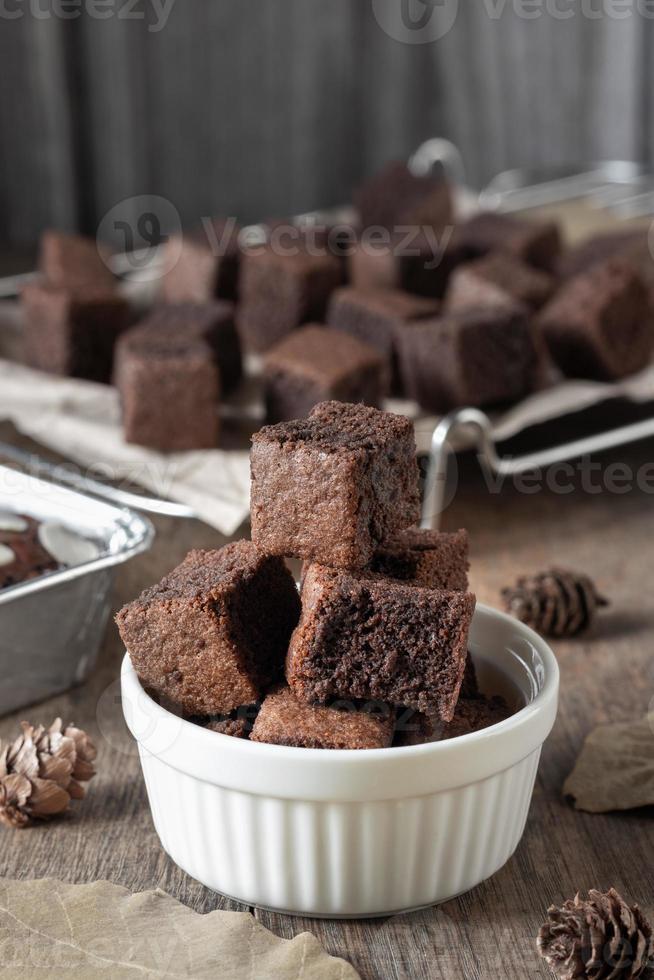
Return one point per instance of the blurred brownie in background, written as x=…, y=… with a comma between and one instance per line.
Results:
x=169, y=389
x=213, y=322
x=416, y=260
x=537, y=243
x=374, y=316
x=600, y=324
x=631, y=246
x=316, y=364
x=395, y=197
x=480, y=357
x=73, y=261
x=70, y=331
x=498, y=278
x=280, y=291
x=202, y=264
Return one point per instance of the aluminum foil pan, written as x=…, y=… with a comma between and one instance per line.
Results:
x=51, y=627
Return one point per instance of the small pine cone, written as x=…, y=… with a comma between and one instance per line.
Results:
x=556, y=602
x=42, y=770
x=601, y=938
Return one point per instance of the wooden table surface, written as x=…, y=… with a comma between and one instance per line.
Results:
x=607, y=676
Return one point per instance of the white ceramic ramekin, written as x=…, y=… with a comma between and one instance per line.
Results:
x=350, y=833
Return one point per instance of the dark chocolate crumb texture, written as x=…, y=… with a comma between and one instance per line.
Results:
x=365, y=637
x=213, y=633
x=333, y=487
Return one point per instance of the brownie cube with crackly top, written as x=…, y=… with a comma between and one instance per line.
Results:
x=477, y=357
x=212, y=322
x=375, y=316
x=436, y=559
x=362, y=636
x=333, y=487
x=212, y=635
x=498, y=278
x=72, y=332
x=169, y=390
x=537, y=243
x=283, y=720
x=281, y=291
x=316, y=364
x=73, y=262
x=203, y=264
x=600, y=325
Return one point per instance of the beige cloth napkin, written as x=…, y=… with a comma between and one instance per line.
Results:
x=81, y=420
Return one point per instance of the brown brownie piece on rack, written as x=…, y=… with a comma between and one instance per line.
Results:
x=437, y=559
x=395, y=196
x=202, y=264
x=212, y=635
x=418, y=260
x=333, y=487
x=600, y=323
x=478, y=357
x=169, y=390
x=73, y=262
x=212, y=322
x=72, y=332
x=316, y=364
x=362, y=636
x=537, y=243
x=498, y=279
x=375, y=316
x=283, y=720
x=281, y=291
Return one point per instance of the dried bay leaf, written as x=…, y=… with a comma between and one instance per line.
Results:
x=49, y=928
x=615, y=769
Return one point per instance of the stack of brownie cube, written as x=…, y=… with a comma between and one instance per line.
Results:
x=379, y=632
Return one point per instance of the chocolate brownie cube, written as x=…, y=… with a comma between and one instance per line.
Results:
x=212, y=322
x=283, y=720
x=362, y=636
x=471, y=715
x=537, y=243
x=435, y=559
x=333, y=487
x=203, y=264
x=74, y=262
x=282, y=290
x=480, y=357
x=169, y=390
x=238, y=723
x=395, y=196
x=599, y=325
x=375, y=316
x=598, y=248
x=212, y=635
x=72, y=332
x=498, y=279
x=316, y=364
x=417, y=261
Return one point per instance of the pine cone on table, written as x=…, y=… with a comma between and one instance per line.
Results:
x=42, y=770
x=599, y=938
x=556, y=602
